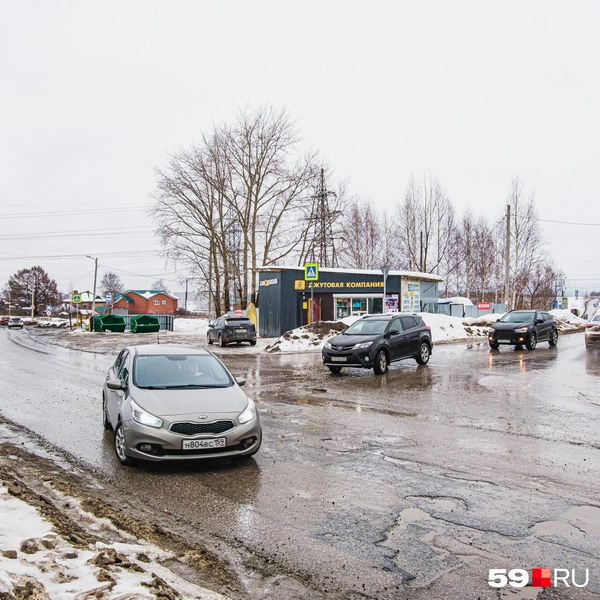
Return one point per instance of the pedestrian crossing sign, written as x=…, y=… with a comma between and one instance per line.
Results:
x=311, y=272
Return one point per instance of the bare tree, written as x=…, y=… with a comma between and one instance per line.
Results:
x=364, y=235
x=235, y=203
x=527, y=248
x=424, y=227
x=111, y=284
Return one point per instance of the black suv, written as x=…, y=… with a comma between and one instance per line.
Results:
x=375, y=341
x=231, y=329
x=523, y=328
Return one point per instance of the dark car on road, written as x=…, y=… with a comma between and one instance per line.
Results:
x=523, y=328
x=231, y=329
x=375, y=341
x=4, y=320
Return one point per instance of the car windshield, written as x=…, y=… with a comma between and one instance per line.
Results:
x=238, y=322
x=366, y=327
x=172, y=371
x=518, y=317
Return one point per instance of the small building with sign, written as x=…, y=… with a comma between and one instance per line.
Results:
x=289, y=298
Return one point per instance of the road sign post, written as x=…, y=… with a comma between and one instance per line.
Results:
x=311, y=273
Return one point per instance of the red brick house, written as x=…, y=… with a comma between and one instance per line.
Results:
x=145, y=302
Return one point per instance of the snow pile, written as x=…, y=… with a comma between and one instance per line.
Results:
x=197, y=326
x=443, y=329
x=35, y=558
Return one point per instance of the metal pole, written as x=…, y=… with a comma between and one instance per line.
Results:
x=95, y=279
x=507, y=276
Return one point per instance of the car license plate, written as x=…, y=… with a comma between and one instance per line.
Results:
x=338, y=359
x=203, y=444
x=241, y=331
x=504, y=341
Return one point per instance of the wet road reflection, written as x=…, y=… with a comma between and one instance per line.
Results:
x=393, y=478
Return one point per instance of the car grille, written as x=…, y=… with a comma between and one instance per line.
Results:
x=196, y=428
x=504, y=335
x=340, y=348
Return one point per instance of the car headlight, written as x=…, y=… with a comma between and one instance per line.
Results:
x=361, y=345
x=521, y=329
x=144, y=418
x=327, y=345
x=248, y=414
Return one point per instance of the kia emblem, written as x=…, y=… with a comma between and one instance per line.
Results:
x=203, y=416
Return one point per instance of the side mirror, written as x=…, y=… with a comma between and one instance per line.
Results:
x=211, y=324
x=539, y=320
x=240, y=381
x=394, y=331
x=116, y=384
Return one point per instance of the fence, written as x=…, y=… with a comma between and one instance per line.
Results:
x=466, y=310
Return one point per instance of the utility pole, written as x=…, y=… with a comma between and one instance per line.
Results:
x=186, y=296
x=322, y=250
x=507, y=252
x=95, y=278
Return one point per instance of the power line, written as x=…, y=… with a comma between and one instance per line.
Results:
x=569, y=223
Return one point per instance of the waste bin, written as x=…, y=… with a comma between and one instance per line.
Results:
x=144, y=324
x=109, y=323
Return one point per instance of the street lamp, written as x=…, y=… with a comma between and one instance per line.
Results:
x=385, y=270
x=95, y=277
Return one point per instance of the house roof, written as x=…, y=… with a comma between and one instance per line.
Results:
x=405, y=274
x=147, y=294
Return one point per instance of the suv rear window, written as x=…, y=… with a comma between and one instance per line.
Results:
x=238, y=321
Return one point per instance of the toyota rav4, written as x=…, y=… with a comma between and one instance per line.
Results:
x=375, y=341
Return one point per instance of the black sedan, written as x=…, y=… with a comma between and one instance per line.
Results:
x=523, y=328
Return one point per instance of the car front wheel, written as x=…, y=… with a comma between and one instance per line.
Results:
x=553, y=338
x=381, y=363
x=531, y=342
x=494, y=345
x=423, y=357
x=120, y=448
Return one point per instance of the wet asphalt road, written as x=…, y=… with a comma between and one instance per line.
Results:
x=412, y=484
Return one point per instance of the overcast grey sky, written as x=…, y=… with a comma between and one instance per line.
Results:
x=96, y=94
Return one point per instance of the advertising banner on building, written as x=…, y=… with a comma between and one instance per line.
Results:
x=411, y=295
x=391, y=304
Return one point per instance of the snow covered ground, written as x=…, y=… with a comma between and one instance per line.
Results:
x=36, y=562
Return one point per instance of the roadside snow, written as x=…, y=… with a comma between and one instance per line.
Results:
x=34, y=557
x=443, y=329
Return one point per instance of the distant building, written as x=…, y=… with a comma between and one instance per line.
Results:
x=286, y=300
x=145, y=302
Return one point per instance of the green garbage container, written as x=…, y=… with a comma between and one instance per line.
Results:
x=144, y=324
x=109, y=323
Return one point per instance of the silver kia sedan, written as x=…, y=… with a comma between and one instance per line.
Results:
x=167, y=402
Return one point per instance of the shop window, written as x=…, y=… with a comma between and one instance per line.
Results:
x=342, y=308
x=375, y=306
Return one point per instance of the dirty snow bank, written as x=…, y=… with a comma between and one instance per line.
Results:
x=443, y=329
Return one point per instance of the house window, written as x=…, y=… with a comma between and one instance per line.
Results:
x=164, y=302
x=156, y=302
